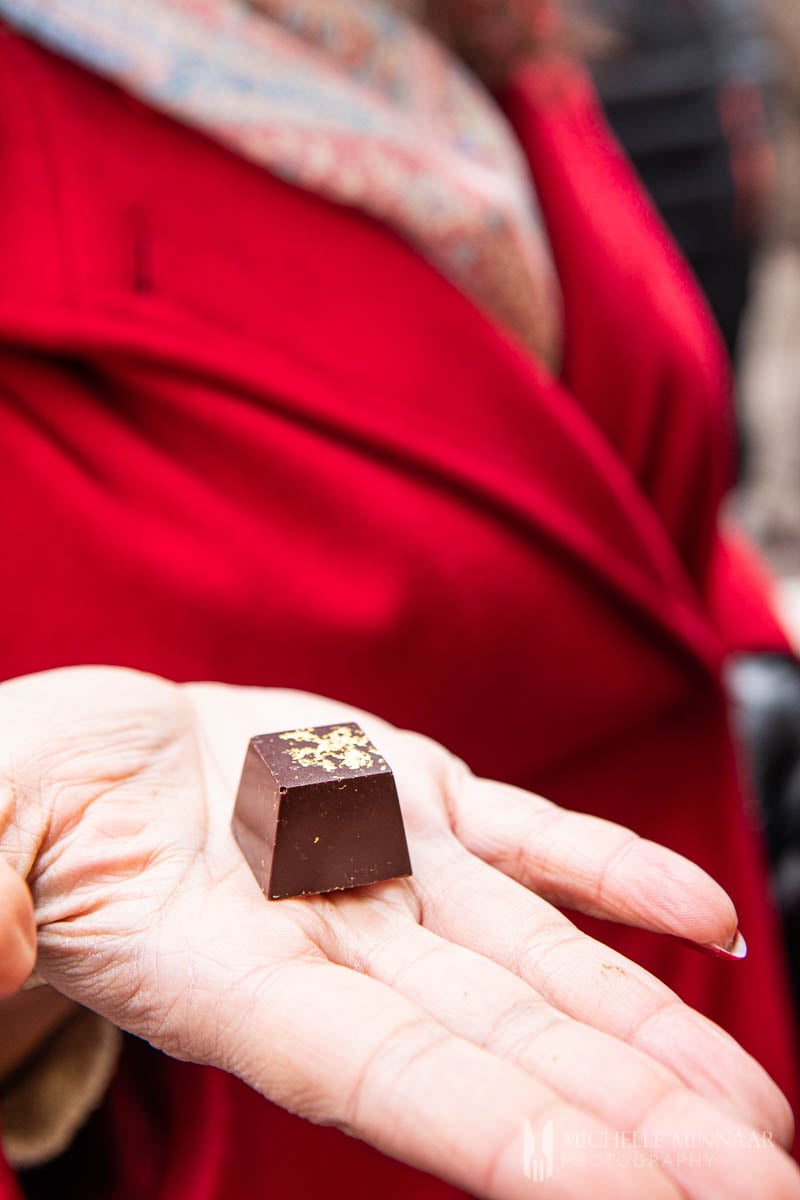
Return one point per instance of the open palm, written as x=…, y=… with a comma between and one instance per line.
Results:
x=445, y=1018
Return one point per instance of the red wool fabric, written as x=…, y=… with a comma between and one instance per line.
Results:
x=251, y=436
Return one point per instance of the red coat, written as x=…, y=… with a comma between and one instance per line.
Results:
x=250, y=435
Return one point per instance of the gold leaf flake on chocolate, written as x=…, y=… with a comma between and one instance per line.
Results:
x=342, y=746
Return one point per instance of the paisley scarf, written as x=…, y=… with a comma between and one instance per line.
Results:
x=367, y=103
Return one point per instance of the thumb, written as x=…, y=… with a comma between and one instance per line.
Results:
x=17, y=931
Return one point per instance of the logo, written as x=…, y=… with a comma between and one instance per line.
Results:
x=538, y=1152
x=601, y=1150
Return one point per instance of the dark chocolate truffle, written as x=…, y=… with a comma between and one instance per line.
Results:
x=317, y=810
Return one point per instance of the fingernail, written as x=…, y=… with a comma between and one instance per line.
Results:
x=737, y=949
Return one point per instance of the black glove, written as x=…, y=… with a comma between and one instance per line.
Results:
x=766, y=694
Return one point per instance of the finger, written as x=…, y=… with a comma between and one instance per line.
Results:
x=446, y=1106
x=341, y=1048
x=481, y=1001
x=434, y=1100
x=468, y=902
x=17, y=931
x=582, y=862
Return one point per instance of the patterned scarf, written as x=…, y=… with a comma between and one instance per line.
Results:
x=356, y=100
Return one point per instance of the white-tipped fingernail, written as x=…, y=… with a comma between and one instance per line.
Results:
x=737, y=948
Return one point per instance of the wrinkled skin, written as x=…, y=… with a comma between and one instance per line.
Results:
x=428, y=1016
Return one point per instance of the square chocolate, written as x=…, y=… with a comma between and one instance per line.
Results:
x=317, y=810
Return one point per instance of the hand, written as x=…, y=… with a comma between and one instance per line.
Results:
x=433, y=1016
